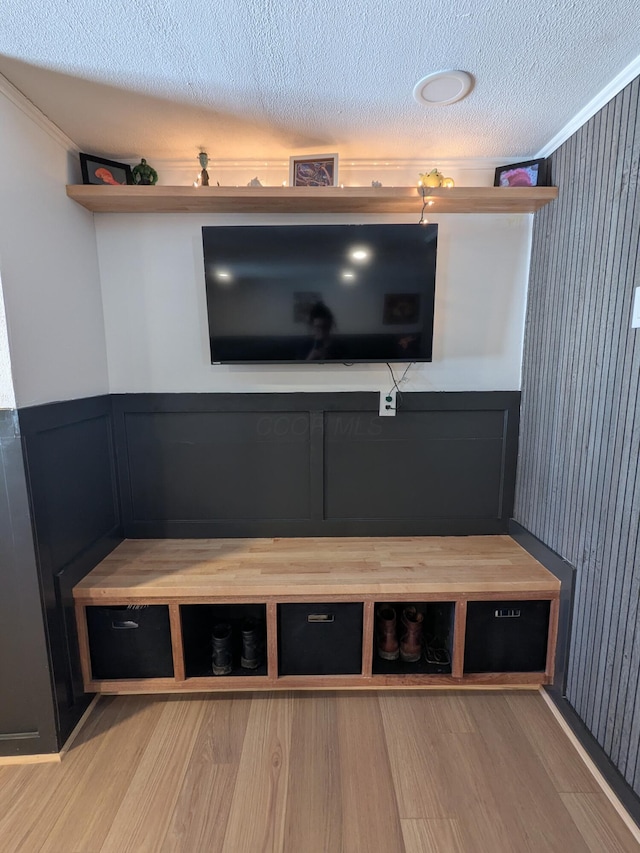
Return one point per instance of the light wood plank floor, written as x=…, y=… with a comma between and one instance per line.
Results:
x=394, y=772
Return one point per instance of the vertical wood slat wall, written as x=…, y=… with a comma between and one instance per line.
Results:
x=578, y=487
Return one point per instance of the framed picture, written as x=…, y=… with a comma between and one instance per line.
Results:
x=314, y=170
x=401, y=309
x=531, y=173
x=96, y=170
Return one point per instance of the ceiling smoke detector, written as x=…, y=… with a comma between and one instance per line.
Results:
x=442, y=88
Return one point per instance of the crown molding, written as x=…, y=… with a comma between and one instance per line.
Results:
x=595, y=104
x=29, y=109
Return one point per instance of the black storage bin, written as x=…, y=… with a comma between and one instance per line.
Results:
x=130, y=642
x=506, y=636
x=320, y=639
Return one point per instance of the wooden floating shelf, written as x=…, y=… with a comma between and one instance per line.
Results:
x=161, y=199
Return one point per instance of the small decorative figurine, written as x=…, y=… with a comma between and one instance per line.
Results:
x=254, y=182
x=143, y=174
x=376, y=183
x=433, y=179
x=203, y=159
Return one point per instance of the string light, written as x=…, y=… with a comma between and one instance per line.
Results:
x=422, y=220
x=426, y=202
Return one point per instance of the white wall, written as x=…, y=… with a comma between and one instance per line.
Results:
x=147, y=280
x=7, y=393
x=48, y=263
x=152, y=275
x=358, y=173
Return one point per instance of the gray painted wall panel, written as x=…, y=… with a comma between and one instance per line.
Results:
x=222, y=465
x=578, y=488
x=444, y=465
x=316, y=465
x=27, y=719
x=70, y=470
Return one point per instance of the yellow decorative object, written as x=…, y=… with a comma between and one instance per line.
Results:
x=448, y=182
x=432, y=179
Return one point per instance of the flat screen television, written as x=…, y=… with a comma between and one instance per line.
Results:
x=320, y=293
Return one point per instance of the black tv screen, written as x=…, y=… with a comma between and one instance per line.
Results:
x=320, y=293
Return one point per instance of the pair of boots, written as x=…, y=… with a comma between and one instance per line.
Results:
x=409, y=646
x=222, y=647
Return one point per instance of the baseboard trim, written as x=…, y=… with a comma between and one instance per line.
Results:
x=38, y=758
x=609, y=779
x=612, y=782
x=66, y=746
x=565, y=573
x=51, y=757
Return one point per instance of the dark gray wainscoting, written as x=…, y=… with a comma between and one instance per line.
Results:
x=27, y=720
x=70, y=459
x=200, y=465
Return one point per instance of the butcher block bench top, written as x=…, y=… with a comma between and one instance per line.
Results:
x=192, y=570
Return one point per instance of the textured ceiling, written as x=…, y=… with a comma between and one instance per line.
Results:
x=263, y=79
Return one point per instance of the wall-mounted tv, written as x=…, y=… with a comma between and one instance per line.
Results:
x=320, y=293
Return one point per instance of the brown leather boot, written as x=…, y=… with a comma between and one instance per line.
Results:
x=411, y=638
x=386, y=633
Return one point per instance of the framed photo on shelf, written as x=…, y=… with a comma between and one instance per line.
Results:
x=531, y=173
x=97, y=170
x=313, y=170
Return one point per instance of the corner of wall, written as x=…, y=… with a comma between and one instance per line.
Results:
x=50, y=281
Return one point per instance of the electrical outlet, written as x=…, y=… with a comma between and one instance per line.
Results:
x=388, y=403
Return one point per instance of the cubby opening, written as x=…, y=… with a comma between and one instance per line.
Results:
x=436, y=641
x=198, y=623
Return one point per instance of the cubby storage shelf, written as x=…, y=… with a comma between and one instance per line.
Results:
x=199, y=579
x=166, y=199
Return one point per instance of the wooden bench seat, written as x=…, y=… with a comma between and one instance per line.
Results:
x=177, y=573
